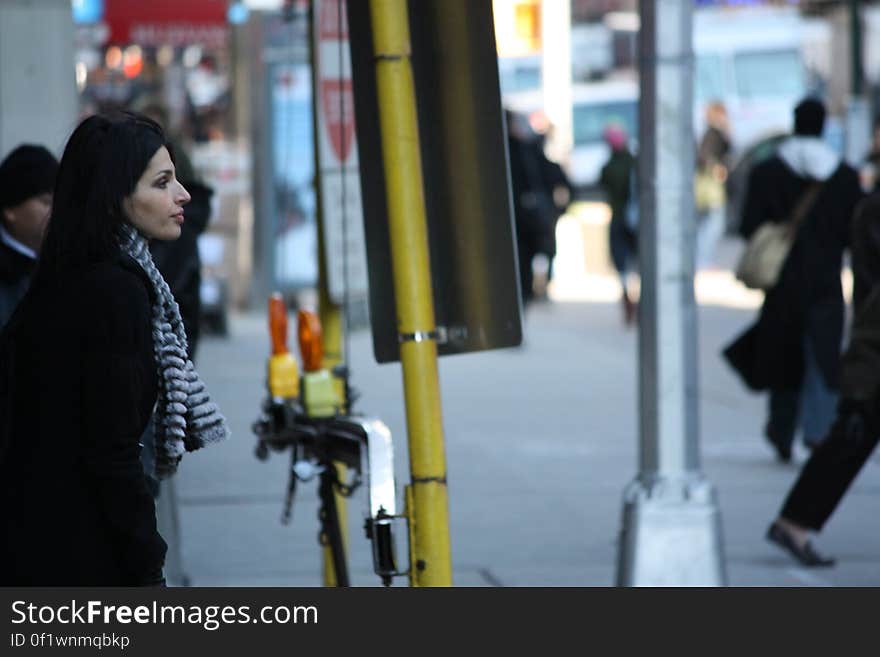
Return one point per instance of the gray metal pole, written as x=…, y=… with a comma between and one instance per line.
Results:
x=858, y=108
x=671, y=533
x=855, y=23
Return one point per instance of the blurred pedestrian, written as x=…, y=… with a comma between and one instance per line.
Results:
x=95, y=346
x=713, y=163
x=833, y=465
x=556, y=184
x=537, y=203
x=793, y=350
x=27, y=178
x=870, y=172
x=178, y=261
x=618, y=180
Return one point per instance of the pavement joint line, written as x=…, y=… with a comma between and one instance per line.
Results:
x=807, y=578
x=228, y=500
x=490, y=577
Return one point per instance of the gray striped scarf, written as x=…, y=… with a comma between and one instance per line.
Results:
x=185, y=419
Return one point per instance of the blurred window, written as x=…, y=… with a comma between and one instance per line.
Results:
x=519, y=73
x=709, y=83
x=762, y=74
x=523, y=78
x=591, y=120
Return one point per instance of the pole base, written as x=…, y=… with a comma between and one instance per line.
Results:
x=671, y=535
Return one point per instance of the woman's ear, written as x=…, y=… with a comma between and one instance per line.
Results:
x=125, y=206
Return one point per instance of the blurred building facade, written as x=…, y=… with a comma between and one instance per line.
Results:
x=235, y=78
x=38, y=97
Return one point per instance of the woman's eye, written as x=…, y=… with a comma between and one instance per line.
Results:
x=162, y=184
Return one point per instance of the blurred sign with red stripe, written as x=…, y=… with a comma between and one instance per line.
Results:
x=341, y=209
x=172, y=22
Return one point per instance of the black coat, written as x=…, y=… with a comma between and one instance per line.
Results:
x=808, y=299
x=77, y=387
x=860, y=369
x=615, y=180
x=15, y=276
x=533, y=178
x=714, y=148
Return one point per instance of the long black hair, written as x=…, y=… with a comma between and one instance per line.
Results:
x=102, y=162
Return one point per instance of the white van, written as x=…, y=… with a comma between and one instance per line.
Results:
x=752, y=61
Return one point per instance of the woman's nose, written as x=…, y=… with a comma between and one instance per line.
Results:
x=183, y=197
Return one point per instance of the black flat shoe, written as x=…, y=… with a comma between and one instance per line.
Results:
x=783, y=451
x=806, y=555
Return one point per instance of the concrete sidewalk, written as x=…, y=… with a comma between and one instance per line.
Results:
x=540, y=443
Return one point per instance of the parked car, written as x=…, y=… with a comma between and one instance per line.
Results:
x=753, y=62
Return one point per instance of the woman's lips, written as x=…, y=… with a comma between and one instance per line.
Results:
x=178, y=218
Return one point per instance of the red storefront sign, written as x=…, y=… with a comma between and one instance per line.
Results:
x=172, y=22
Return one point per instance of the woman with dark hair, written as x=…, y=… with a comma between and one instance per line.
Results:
x=94, y=352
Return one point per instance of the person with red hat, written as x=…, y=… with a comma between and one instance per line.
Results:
x=618, y=181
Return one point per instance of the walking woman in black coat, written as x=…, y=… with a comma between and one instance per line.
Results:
x=834, y=465
x=94, y=352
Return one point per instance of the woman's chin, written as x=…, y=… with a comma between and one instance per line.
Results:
x=169, y=235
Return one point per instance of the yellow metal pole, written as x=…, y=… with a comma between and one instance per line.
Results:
x=428, y=511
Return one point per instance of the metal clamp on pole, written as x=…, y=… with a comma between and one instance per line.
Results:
x=438, y=335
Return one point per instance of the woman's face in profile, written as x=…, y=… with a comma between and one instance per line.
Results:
x=155, y=207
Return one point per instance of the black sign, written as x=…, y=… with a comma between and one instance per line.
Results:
x=465, y=172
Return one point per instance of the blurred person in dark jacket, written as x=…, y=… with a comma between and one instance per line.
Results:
x=27, y=180
x=540, y=194
x=179, y=263
x=834, y=464
x=556, y=184
x=617, y=179
x=869, y=172
x=179, y=260
x=713, y=163
x=530, y=218
x=793, y=350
